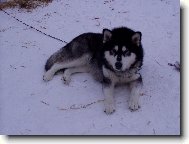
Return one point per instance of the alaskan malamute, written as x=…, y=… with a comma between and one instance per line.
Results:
x=113, y=57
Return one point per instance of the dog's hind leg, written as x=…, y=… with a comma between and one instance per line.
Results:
x=63, y=65
x=68, y=72
x=50, y=73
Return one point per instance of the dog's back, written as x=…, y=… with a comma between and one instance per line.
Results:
x=87, y=43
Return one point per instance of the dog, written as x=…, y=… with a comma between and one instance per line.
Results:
x=113, y=57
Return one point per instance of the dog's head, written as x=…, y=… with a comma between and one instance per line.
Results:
x=120, y=47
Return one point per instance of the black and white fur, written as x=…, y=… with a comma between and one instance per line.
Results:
x=113, y=57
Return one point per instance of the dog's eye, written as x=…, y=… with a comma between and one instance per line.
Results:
x=126, y=53
x=113, y=52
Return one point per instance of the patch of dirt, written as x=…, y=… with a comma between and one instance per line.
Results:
x=24, y=4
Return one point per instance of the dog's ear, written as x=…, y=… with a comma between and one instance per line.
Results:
x=136, y=38
x=107, y=34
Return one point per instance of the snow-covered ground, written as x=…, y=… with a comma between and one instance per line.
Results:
x=28, y=105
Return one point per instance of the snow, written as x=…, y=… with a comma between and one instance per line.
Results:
x=28, y=105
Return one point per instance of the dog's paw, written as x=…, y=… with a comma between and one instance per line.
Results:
x=66, y=79
x=47, y=76
x=109, y=108
x=134, y=105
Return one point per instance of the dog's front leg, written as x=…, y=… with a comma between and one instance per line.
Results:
x=135, y=93
x=109, y=102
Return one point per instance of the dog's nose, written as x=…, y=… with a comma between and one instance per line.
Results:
x=118, y=65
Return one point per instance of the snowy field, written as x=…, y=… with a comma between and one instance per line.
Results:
x=28, y=105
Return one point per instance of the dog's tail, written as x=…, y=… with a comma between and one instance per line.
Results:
x=50, y=62
x=56, y=57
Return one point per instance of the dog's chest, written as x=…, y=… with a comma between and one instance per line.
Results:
x=120, y=77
